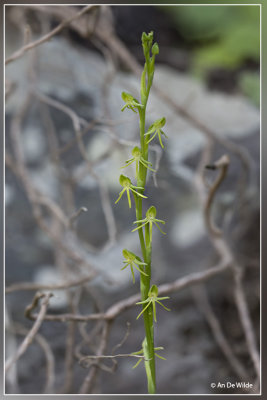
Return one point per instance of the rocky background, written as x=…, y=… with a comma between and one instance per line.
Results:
x=83, y=74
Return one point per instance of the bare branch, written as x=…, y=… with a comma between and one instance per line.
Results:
x=88, y=382
x=222, y=164
x=49, y=356
x=59, y=286
x=87, y=360
x=246, y=320
x=19, y=53
x=117, y=308
x=223, y=249
x=30, y=336
x=203, y=303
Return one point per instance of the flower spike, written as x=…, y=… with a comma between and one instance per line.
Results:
x=132, y=260
x=130, y=102
x=153, y=299
x=155, y=129
x=137, y=157
x=150, y=219
x=127, y=187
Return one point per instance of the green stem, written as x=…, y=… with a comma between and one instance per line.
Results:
x=148, y=344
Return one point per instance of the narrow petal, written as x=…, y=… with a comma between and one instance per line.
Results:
x=138, y=194
x=139, y=220
x=125, y=266
x=143, y=302
x=160, y=141
x=129, y=198
x=164, y=233
x=162, y=305
x=141, y=272
x=139, y=227
x=127, y=163
x=163, y=298
x=150, y=228
x=164, y=134
x=147, y=166
x=160, y=220
x=139, y=262
x=144, y=309
x=157, y=355
x=154, y=311
x=151, y=138
x=138, y=362
x=120, y=195
x=132, y=271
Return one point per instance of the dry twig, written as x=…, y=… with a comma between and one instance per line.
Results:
x=32, y=333
x=49, y=356
x=58, y=286
x=116, y=309
x=226, y=255
x=19, y=53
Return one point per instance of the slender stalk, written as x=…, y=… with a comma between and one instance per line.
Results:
x=148, y=292
x=148, y=344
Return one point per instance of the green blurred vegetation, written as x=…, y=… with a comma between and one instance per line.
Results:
x=221, y=37
x=250, y=85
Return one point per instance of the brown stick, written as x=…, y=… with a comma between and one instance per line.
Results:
x=203, y=303
x=30, y=336
x=49, y=356
x=122, y=305
x=89, y=380
x=226, y=255
x=19, y=53
x=59, y=286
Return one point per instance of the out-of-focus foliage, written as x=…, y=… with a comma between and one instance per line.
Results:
x=221, y=37
x=250, y=85
x=227, y=35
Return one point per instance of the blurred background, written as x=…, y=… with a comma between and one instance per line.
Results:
x=66, y=140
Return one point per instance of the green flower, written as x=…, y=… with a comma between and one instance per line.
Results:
x=141, y=353
x=152, y=299
x=150, y=219
x=127, y=187
x=130, y=102
x=137, y=157
x=132, y=260
x=155, y=129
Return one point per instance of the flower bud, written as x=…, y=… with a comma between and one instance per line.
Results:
x=155, y=49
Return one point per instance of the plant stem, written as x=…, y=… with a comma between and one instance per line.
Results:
x=148, y=343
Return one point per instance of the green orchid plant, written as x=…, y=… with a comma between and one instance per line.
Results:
x=144, y=226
